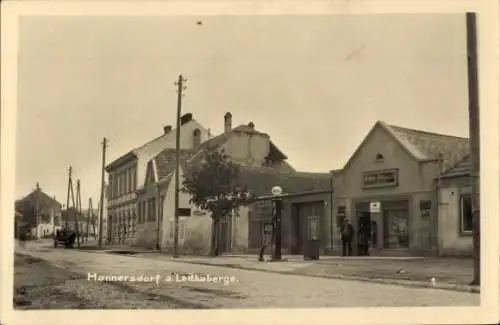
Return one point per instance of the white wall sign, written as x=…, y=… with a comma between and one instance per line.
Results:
x=375, y=207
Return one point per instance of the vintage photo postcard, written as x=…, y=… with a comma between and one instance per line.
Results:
x=264, y=162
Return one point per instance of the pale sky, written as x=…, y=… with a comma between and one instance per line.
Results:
x=315, y=84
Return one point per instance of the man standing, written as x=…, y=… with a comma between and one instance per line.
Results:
x=347, y=234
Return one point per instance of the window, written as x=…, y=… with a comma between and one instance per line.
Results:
x=127, y=181
x=162, y=201
x=465, y=214
x=196, y=138
x=110, y=195
x=379, y=157
x=134, y=178
x=313, y=222
x=144, y=211
x=124, y=183
x=153, y=206
x=148, y=210
x=171, y=229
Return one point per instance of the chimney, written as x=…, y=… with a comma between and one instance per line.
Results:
x=37, y=186
x=167, y=129
x=186, y=118
x=228, y=122
x=251, y=125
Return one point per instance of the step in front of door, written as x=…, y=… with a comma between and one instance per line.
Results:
x=391, y=252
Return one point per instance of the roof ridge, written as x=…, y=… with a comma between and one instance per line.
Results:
x=426, y=132
x=457, y=164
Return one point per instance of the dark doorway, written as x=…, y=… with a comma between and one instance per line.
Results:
x=110, y=228
x=296, y=234
x=224, y=234
x=306, y=216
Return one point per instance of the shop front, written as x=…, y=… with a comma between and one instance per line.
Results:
x=385, y=222
x=387, y=190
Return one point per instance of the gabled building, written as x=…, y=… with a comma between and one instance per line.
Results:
x=41, y=212
x=246, y=146
x=389, y=187
x=125, y=172
x=263, y=166
x=154, y=211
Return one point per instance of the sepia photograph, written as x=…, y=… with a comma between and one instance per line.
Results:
x=249, y=161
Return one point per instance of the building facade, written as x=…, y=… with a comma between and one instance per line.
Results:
x=455, y=211
x=41, y=212
x=388, y=187
x=126, y=172
x=305, y=216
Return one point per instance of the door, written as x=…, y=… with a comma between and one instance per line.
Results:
x=110, y=228
x=224, y=234
x=310, y=217
x=396, y=229
x=296, y=233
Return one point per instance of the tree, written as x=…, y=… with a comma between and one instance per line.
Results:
x=215, y=186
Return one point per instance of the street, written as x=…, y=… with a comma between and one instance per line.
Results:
x=173, y=284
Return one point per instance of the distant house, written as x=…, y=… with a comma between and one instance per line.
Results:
x=263, y=166
x=86, y=221
x=390, y=186
x=40, y=211
x=129, y=170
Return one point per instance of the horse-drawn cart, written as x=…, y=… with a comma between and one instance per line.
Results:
x=64, y=238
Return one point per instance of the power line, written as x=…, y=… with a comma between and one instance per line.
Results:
x=200, y=66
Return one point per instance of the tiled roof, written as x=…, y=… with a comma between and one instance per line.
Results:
x=166, y=161
x=462, y=168
x=428, y=145
x=38, y=196
x=260, y=180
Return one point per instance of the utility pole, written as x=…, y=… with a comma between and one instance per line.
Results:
x=37, y=212
x=78, y=211
x=180, y=94
x=90, y=218
x=474, y=131
x=75, y=225
x=70, y=185
x=103, y=184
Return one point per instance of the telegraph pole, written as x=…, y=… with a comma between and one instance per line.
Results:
x=74, y=209
x=90, y=218
x=78, y=211
x=103, y=184
x=37, y=213
x=473, y=87
x=180, y=94
x=70, y=185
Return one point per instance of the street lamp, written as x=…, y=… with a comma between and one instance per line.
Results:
x=277, y=208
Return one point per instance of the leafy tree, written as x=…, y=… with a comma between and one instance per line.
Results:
x=215, y=186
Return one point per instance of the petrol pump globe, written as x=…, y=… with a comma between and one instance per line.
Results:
x=276, y=190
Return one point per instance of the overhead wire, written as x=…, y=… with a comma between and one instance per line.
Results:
x=194, y=74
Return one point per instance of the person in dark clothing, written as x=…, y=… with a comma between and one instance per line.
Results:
x=364, y=243
x=347, y=234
